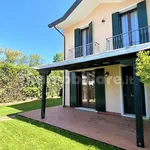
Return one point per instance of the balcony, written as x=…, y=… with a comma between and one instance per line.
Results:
x=121, y=41
x=126, y=40
x=84, y=50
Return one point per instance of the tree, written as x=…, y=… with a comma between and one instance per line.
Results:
x=143, y=66
x=19, y=81
x=55, y=79
x=35, y=60
x=12, y=56
x=58, y=57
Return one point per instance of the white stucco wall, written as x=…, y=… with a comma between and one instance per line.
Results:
x=101, y=31
x=147, y=97
x=112, y=89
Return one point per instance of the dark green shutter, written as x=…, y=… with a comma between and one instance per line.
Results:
x=73, y=90
x=79, y=87
x=116, y=27
x=91, y=37
x=100, y=90
x=77, y=38
x=143, y=22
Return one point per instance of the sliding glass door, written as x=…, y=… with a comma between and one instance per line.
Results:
x=88, y=89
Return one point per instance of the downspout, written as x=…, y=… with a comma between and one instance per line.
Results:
x=64, y=102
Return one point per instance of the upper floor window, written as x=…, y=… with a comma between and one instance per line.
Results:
x=85, y=41
x=130, y=28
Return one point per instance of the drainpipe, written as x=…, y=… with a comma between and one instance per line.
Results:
x=64, y=102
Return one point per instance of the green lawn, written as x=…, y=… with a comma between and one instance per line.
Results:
x=27, y=106
x=26, y=134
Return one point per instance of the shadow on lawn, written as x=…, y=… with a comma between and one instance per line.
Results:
x=33, y=105
x=68, y=134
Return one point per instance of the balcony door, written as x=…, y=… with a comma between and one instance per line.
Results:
x=130, y=28
x=85, y=42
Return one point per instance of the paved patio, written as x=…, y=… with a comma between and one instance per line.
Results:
x=114, y=130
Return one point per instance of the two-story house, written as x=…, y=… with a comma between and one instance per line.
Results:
x=101, y=41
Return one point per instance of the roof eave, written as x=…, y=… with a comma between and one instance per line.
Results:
x=66, y=15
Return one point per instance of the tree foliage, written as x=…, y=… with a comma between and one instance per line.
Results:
x=143, y=66
x=19, y=81
x=58, y=57
x=55, y=79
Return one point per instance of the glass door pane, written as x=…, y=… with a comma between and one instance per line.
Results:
x=92, y=89
x=84, y=90
x=84, y=42
x=135, y=28
x=88, y=89
x=125, y=30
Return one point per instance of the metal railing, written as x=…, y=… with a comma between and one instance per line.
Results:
x=128, y=39
x=84, y=50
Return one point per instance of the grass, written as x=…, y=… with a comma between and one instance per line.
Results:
x=27, y=106
x=27, y=134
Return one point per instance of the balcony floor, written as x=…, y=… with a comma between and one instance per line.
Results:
x=114, y=130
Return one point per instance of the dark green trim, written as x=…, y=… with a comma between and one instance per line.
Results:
x=116, y=23
x=79, y=88
x=66, y=15
x=143, y=21
x=73, y=90
x=77, y=41
x=142, y=14
x=44, y=72
x=91, y=37
x=43, y=103
x=128, y=62
x=100, y=90
x=138, y=109
x=116, y=28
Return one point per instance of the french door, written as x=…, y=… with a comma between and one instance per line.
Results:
x=85, y=42
x=128, y=91
x=88, y=89
x=130, y=28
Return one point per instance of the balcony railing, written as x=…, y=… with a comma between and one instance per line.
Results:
x=128, y=39
x=84, y=50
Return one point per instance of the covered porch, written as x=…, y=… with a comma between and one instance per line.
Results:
x=111, y=129
x=122, y=56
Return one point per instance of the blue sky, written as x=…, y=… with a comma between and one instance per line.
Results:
x=23, y=26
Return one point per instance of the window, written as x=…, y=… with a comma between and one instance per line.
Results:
x=85, y=42
x=130, y=28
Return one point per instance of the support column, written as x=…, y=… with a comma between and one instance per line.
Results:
x=43, y=105
x=44, y=74
x=138, y=109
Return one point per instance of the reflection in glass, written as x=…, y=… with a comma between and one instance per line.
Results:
x=88, y=89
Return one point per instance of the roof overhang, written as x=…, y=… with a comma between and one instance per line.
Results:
x=97, y=60
x=78, y=11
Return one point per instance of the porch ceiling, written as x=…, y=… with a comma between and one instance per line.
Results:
x=103, y=59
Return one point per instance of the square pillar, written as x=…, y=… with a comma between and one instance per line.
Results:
x=44, y=74
x=138, y=109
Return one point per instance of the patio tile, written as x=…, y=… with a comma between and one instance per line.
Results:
x=114, y=130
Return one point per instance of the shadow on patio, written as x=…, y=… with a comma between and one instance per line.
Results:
x=73, y=136
x=114, y=130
